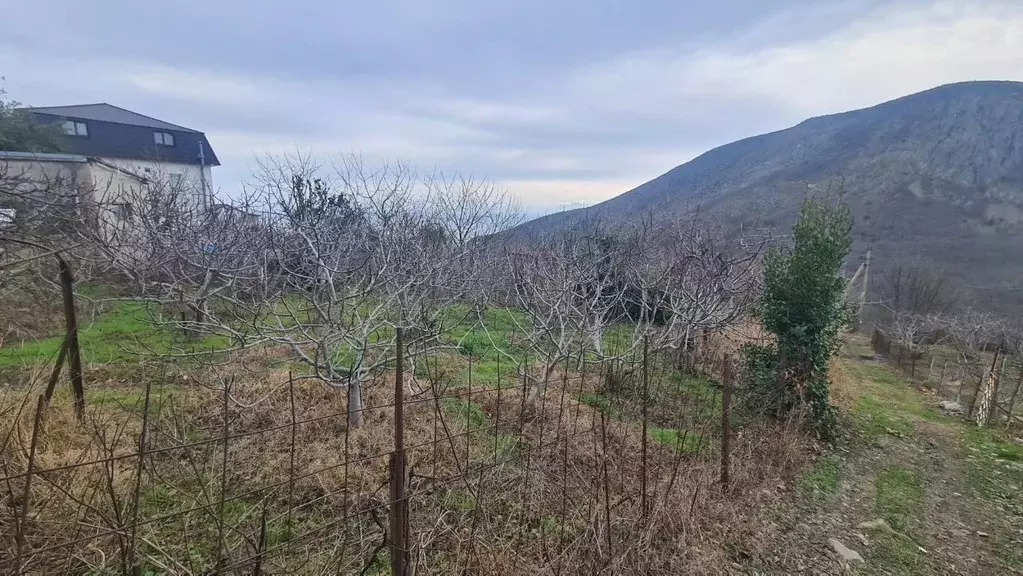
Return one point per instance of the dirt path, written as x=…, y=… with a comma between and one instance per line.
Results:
x=939, y=496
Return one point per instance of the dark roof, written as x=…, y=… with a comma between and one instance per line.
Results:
x=118, y=133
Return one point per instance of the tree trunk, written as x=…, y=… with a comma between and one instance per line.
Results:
x=355, y=404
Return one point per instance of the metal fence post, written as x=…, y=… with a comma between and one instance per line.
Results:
x=726, y=425
x=26, y=493
x=399, y=502
x=646, y=384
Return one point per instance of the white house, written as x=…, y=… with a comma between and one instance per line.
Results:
x=149, y=148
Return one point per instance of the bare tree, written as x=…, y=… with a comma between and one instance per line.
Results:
x=661, y=283
x=327, y=263
x=970, y=333
x=916, y=287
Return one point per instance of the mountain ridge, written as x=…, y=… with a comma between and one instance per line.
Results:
x=935, y=176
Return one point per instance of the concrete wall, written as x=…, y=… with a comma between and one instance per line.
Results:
x=39, y=192
x=189, y=176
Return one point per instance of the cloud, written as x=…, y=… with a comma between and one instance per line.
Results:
x=571, y=108
x=891, y=53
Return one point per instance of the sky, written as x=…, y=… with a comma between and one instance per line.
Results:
x=561, y=102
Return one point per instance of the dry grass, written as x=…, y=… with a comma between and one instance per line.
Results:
x=497, y=484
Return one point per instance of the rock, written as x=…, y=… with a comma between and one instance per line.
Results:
x=877, y=524
x=982, y=534
x=863, y=539
x=847, y=554
x=952, y=407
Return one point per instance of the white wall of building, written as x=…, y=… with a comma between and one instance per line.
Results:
x=190, y=176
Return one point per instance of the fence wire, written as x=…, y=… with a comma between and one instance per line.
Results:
x=538, y=468
x=960, y=379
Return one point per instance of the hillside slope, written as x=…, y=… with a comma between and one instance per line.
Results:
x=936, y=175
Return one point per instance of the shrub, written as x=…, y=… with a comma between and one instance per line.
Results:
x=803, y=307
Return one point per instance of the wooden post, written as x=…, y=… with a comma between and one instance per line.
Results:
x=55, y=373
x=982, y=419
x=726, y=424
x=67, y=288
x=1015, y=393
x=998, y=382
x=863, y=290
x=399, y=502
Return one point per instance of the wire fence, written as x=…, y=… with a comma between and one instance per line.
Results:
x=523, y=467
x=983, y=385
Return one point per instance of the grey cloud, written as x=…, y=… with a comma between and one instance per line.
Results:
x=567, y=102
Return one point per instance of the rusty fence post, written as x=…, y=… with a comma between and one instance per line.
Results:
x=67, y=289
x=26, y=493
x=643, y=461
x=726, y=424
x=399, y=500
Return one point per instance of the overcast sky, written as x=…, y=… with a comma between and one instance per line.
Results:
x=562, y=102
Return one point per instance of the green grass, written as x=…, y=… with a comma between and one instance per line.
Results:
x=899, y=495
x=601, y=402
x=468, y=413
x=878, y=418
x=457, y=500
x=120, y=334
x=886, y=403
x=494, y=445
x=684, y=441
x=821, y=480
x=486, y=344
x=995, y=466
x=688, y=442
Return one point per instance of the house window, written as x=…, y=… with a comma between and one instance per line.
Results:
x=72, y=128
x=163, y=138
x=122, y=212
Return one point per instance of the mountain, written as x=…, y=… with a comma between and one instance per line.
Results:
x=935, y=176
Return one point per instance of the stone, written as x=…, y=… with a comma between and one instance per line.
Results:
x=876, y=524
x=952, y=407
x=847, y=554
